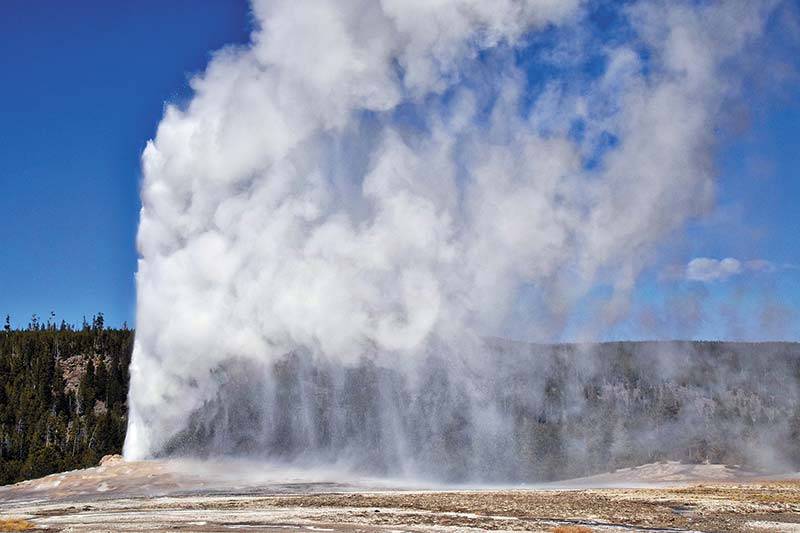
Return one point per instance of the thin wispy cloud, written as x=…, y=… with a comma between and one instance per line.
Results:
x=709, y=270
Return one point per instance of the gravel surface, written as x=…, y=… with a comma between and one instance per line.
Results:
x=158, y=496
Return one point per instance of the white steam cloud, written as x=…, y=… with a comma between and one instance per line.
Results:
x=370, y=176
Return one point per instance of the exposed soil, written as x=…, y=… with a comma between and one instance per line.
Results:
x=155, y=496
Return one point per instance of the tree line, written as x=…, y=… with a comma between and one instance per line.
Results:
x=63, y=395
x=561, y=411
x=515, y=412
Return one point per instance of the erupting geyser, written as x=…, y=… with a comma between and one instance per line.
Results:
x=352, y=202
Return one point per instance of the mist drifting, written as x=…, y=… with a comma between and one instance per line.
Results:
x=387, y=182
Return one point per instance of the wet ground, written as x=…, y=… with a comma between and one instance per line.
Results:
x=156, y=496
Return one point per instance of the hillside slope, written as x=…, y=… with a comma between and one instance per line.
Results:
x=572, y=410
x=62, y=397
x=513, y=412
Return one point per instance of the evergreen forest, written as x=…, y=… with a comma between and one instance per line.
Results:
x=63, y=393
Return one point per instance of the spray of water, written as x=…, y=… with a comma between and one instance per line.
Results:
x=375, y=186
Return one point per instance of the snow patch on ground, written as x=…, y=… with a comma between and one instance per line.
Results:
x=670, y=473
x=776, y=527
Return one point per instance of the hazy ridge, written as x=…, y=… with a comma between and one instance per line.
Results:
x=520, y=413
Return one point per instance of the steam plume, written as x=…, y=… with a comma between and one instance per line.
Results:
x=387, y=178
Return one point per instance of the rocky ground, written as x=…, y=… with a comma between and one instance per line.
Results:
x=175, y=496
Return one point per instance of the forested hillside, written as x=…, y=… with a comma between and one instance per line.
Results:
x=555, y=411
x=513, y=411
x=62, y=396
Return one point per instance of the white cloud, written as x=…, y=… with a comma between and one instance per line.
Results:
x=287, y=205
x=706, y=269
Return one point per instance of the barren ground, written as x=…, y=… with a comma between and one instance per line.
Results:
x=159, y=496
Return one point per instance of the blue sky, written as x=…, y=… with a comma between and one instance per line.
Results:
x=84, y=89
x=757, y=217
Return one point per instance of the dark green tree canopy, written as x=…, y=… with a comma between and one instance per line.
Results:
x=62, y=396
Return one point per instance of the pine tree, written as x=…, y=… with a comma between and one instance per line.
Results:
x=47, y=425
x=86, y=389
